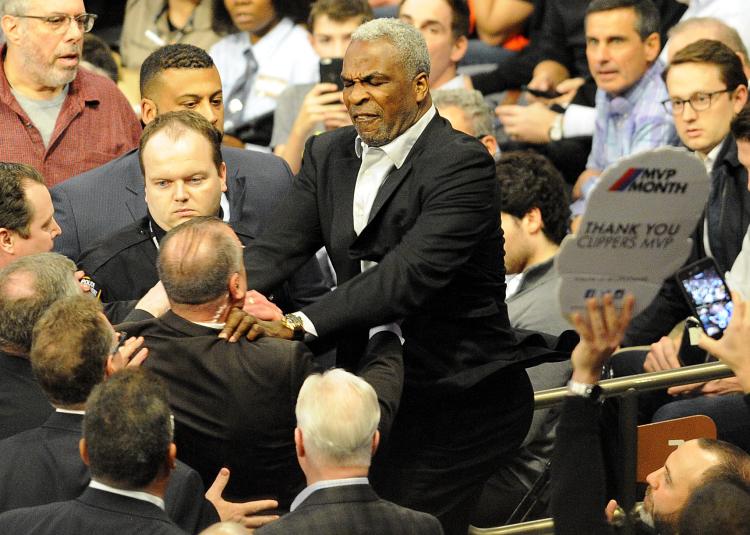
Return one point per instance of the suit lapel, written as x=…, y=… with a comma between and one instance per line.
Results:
x=345, y=171
x=392, y=182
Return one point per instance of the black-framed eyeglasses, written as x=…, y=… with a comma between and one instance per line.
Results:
x=60, y=22
x=698, y=101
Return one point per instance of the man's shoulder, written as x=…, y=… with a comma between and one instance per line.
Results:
x=252, y=162
x=114, y=244
x=337, y=509
x=95, y=86
x=104, y=178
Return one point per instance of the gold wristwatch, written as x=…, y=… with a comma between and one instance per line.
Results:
x=294, y=323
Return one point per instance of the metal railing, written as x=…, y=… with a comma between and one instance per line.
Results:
x=626, y=387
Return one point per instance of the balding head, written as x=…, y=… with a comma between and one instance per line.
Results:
x=224, y=528
x=200, y=263
x=691, y=30
x=28, y=286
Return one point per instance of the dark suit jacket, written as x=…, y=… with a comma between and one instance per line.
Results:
x=728, y=214
x=23, y=403
x=234, y=403
x=43, y=465
x=93, y=205
x=352, y=510
x=434, y=229
x=95, y=511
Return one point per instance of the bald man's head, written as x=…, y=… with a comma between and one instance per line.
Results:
x=197, y=260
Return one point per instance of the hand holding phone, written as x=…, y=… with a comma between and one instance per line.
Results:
x=330, y=71
x=707, y=294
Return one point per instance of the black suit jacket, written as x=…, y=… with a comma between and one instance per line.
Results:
x=93, y=205
x=94, y=511
x=352, y=510
x=234, y=403
x=43, y=465
x=434, y=230
x=23, y=403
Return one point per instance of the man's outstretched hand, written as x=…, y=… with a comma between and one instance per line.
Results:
x=242, y=513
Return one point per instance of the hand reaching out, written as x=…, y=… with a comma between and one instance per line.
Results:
x=243, y=513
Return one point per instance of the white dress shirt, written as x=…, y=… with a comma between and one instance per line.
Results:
x=284, y=56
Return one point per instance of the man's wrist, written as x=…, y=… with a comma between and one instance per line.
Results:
x=589, y=377
x=591, y=391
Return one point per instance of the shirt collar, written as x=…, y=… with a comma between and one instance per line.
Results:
x=276, y=36
x=69, y=411
x=398, y=149
x=710, y=159
x=327, y=484
x=135, y=494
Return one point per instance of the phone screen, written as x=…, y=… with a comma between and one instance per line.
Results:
x=710, y=298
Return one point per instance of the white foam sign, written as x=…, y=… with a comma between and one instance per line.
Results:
x=636, y=228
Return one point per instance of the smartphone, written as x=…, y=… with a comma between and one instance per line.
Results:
x=550, y=94
x=330, y=71
x=707, y=294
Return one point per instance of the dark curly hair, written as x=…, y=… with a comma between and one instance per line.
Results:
x=529, y=180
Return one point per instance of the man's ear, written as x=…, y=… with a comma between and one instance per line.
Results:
x=421, y=86
x=7, y=240
x=299, y=442
x=458, y=51
x=490, y=143
x=172, y=456
x=234, y=287
x=375, y=442
x=11, y=28
x=149, y=111
x=532, y=221
x=739, y=98
x=652, y=46
x=223, y=176
x=83, y=450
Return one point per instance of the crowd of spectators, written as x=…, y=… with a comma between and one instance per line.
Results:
x=289, y=265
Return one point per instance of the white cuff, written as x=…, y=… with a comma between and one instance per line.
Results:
x=578, y=121
x=306, y=323
x=394, y=328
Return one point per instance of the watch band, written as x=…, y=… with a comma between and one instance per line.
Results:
x=295, y=324
x=592, y=392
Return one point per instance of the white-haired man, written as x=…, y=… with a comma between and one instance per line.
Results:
x=336, y=436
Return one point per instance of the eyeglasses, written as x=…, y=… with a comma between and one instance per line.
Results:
x=59, y=23
x=698, y=101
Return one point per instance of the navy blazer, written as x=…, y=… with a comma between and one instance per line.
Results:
x=95, y=204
